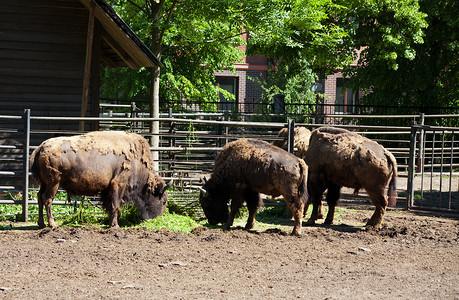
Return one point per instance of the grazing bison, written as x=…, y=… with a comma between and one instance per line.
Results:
x=336, y=158
x=117, y=165
x=247, y=167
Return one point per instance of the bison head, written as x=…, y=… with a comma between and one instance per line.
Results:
x=154, y=200
x=214, y=202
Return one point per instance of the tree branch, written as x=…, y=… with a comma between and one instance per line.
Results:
x=166, y=22
x=209, y=41
x=142, y=9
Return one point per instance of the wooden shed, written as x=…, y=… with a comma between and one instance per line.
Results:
x=51, y=53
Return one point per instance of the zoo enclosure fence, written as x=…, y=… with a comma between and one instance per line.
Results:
x=190, y=142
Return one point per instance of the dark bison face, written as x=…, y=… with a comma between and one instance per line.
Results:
x=214, y=203
x=155, y=200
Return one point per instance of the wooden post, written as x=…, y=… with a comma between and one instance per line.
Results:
x=87, y=65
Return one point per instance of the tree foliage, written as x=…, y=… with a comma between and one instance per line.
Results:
x=302, y=39
x=196, y=38
x=406, y=52
x=410, y=52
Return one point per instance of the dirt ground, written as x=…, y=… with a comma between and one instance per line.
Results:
x=414, y=256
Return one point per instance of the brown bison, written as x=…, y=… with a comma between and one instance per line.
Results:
x=247, y=167
x=117, y=165
x=336, y=158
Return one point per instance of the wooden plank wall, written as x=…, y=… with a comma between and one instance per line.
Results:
x=42, y=57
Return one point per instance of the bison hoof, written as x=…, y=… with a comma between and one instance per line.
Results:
x=311, y=221
x=296, y=232
x=328, y=221
x=248, y=226
x=373, y=226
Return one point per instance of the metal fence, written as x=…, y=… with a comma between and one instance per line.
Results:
x=433, y=177
x=190, y=142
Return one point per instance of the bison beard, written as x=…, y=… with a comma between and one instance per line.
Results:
x=244, y=169
x=117, y=165
x=336, y=158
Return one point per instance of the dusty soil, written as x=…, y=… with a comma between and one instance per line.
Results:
x=414, y=256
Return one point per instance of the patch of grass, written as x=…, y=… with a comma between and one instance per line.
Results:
x=172, y=222
x=81, y=217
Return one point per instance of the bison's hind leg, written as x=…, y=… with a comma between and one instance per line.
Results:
x=41, y=221
x=316, y=190
x=296, y=206
x=333, y=194
x=45, y=197
x=379, y=199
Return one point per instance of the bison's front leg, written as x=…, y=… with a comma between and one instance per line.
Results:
x=112, y=201
x=236, y=204
x=253, y=200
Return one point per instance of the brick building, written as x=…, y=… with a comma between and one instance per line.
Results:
x=247, y=92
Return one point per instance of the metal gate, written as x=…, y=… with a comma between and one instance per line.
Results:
x=433, y=173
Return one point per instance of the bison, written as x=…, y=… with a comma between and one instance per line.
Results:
x=247, y=167
x=337, y=158
x=116, y=165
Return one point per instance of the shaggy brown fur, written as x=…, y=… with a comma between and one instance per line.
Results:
x=117, y=165
x=247, y=167
x=337, y=157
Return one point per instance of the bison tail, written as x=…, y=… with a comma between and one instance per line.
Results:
x=392, y=190
x=33, y=163
x=303, y=184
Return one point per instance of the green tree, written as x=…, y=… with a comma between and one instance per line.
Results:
x=410, y=52
x=192, y=38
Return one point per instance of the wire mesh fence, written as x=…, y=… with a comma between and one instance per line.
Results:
x=189, y=143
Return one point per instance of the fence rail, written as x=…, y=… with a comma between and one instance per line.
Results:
x=188, y=146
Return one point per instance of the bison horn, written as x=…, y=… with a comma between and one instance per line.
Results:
x=202, y=190
x=169, y=184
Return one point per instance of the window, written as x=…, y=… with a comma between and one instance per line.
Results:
x=228, y=84
x=345, y=98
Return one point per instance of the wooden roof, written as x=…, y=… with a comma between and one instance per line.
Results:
x=121, y=47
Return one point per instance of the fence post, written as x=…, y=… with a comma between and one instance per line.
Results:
x=25, y=166
x=290, y=135
x=411, y=166
x=219, y=132
x=420, y=162
x=171, y=143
